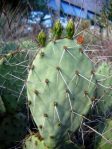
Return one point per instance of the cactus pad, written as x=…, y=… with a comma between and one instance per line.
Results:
x=60, y=88
x=104, y=77
x=13, y=69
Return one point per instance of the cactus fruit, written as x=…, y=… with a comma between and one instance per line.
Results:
x=104, y=89
x=13, y=69
x=60, y=89
x=13, y=129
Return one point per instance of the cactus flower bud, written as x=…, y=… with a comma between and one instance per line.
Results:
x=57, y=29
x=41, y=38
x=70, y=29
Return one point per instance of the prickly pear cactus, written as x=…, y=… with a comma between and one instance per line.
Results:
x=13, y=72
x=60, y=89
x=104, y=89
x=13, y=129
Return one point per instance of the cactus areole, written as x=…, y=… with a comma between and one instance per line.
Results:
x=60, y=88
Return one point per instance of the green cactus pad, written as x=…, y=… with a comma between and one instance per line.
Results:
x=104, y=75
x=60, y=88
x=13, y=72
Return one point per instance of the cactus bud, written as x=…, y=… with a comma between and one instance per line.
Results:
x=70, y=29
x=57, y=29
x=41, y=38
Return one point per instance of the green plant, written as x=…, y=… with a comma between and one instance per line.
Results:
x=41, y=38
x=57, y=30
x=61, y=83
x=104, y=88
x=14, y=65
x=13, y=72
x=70, y=29
x=66, y=94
